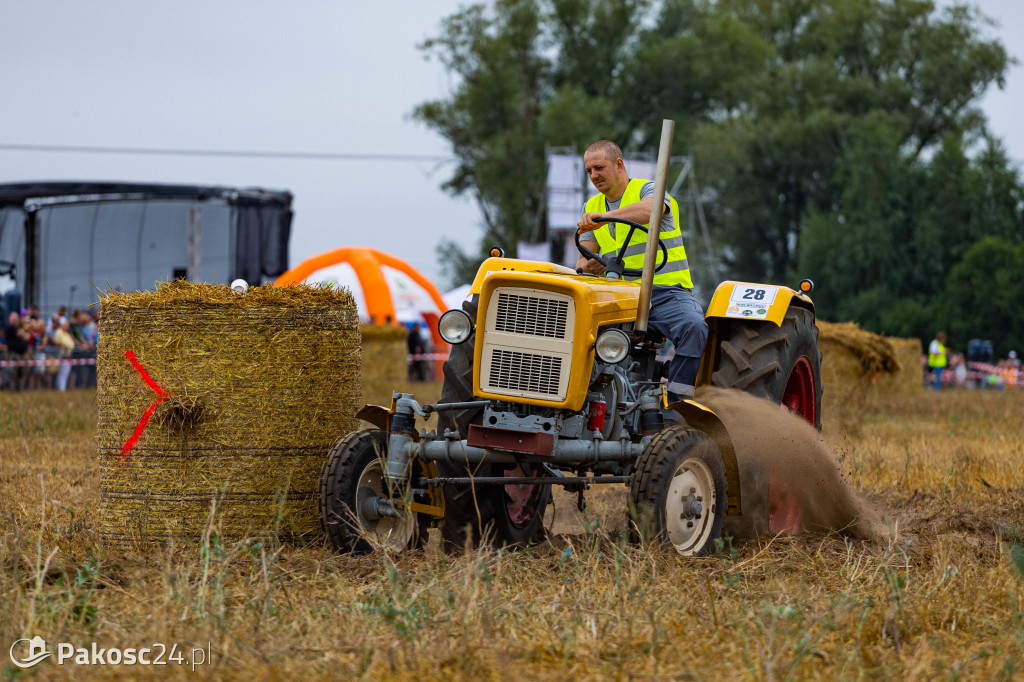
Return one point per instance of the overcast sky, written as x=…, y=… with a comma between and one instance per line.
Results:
x=330, y=77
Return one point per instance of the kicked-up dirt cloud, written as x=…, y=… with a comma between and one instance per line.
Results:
x=789, y=479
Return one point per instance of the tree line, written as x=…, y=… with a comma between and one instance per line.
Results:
x=839, y=140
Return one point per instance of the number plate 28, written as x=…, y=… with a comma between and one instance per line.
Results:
x=751, y=301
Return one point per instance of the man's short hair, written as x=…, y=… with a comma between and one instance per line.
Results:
x=610, y=149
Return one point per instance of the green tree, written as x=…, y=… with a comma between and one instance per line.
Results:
x=831, y=136
x=983, y=294
x=492, y=119
x=835, y=68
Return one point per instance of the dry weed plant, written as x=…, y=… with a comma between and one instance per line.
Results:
x=943, y=600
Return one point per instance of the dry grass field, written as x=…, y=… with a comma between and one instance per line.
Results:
x=944, y=599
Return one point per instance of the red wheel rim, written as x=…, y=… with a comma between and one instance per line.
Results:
x=521, y=498
x=799, y=396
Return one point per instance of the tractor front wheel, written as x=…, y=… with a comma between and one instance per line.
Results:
x=678, y=492
x=350, y=478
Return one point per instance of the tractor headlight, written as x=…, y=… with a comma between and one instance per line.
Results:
x=455, y=326
x=612, y=346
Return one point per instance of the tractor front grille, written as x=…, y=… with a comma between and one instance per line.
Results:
x=527, y=344
x=532, y=315
x=524, y=372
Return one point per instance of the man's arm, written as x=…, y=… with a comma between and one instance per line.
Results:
x=640, y=212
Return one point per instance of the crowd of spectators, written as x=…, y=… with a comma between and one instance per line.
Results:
x=993, y=374
x=62, y=350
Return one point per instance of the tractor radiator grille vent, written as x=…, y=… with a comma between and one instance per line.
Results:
x=516, y=371
x=531, y=315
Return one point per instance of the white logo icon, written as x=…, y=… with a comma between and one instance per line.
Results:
x=36, y=652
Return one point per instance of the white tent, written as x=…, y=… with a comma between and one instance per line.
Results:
x=454, y=298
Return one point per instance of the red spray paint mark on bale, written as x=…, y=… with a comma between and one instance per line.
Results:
x=156, y=388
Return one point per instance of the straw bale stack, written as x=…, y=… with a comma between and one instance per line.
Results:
x=247, y=393
x=385, y=366
x=910, y=379
x=857, y=366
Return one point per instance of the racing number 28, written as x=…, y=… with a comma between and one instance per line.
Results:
x=754, y=294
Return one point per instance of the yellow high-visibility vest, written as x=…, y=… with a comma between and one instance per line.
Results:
x=677, y=271
x=937, y=359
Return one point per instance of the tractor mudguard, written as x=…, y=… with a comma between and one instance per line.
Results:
x=703, y=418
x=377, y=415
x=749, y=301
x=380, y=417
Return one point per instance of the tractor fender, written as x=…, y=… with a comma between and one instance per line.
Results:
x=703, y=418
x=380, y=417
x=747, y=301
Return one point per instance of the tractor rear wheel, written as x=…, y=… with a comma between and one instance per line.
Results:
x=509, y=515
x=353, y=473
x=781, y=363
x=679, y=492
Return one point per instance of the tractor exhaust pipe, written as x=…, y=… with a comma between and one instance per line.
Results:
x=668, y=128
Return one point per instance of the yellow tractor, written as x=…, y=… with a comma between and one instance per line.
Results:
x=553, y=379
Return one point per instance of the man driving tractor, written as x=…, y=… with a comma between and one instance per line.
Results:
x=675, y=313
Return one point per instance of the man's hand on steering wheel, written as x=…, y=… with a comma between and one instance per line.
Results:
x=592, y=267
x=587, y=222
x=612, y=262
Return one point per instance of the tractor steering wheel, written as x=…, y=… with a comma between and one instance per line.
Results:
x=613, y=265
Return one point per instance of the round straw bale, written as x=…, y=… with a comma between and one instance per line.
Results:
x=851, y=360
x=216, y=409
x=384, y=361
x=909, y=380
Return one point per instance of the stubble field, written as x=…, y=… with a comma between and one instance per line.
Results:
x=943, y=599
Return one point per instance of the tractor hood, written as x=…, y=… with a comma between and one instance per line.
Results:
x=536, y=328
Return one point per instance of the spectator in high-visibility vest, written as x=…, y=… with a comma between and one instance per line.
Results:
x=675, y=313
x=937, y=357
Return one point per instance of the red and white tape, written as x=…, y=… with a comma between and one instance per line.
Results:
x=47, y=363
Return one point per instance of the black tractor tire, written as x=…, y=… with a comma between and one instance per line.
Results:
x=492, y=513
x=458, y=380
x=357, y=461
x=679, y=492
x=780, y=363
x=467, y=509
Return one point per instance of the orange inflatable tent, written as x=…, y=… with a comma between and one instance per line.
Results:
x=387, y=290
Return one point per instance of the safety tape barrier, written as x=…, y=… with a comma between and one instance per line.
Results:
x=52, y=362
x=979, y=372
x=92, y=361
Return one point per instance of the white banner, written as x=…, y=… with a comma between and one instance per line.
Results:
x=565, y=191
x=568, y=188
x=641, y=169
x=527, y=251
